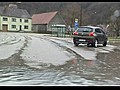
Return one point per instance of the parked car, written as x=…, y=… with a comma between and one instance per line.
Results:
x=90, y=35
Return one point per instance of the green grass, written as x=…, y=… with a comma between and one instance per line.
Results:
x=114, y=38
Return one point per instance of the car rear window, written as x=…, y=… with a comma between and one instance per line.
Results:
x=84, y=29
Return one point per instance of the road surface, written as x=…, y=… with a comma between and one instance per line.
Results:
x=39, y=59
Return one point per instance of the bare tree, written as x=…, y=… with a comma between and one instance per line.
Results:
x=116, y=26
x=71, y=12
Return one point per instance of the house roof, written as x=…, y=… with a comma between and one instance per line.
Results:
x=14, y=12
x=43, y=18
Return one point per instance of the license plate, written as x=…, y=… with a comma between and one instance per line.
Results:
x=83, y=40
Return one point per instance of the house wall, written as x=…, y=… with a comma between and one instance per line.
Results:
x=47, y=27
x=56, y=20
x=39, y=28
x=25, y=26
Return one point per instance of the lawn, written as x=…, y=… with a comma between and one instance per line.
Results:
x=114, y=38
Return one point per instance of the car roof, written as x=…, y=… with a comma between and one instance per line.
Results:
x=91, y=26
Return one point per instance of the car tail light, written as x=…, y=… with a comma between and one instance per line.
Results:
x=92, y=34
x=75, y=33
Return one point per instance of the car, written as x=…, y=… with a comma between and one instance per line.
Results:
x=90, y=35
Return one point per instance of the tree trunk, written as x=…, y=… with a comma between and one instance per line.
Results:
x=117, y=33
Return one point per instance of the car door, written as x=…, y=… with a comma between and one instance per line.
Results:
x=99, y=34
x=104, y=37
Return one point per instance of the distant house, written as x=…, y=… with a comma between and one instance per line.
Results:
x=43, y=22
x=14, y=19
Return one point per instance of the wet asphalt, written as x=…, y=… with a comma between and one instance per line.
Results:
x=105, y=70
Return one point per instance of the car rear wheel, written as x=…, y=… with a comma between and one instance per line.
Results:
x=105, y=43
x=95, y=43
x=88, y=44
x=76, y=44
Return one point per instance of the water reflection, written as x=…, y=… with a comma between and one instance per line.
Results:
x=74, y=61
x=90, y=63
x=25, y=76
x=78, y=71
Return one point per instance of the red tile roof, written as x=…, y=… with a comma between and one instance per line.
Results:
x=43, y=18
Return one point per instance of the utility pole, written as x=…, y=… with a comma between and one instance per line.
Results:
x=81, y=14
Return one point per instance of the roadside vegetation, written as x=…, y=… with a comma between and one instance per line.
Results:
x=114, y=38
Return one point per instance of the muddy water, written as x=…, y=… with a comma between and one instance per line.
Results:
x=103, y=70
x=79, y=71
x=13, y=71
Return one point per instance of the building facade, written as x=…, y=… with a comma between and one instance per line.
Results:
x=14, y=19
x=43, y=22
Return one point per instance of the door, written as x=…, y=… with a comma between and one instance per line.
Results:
x=99, y=34
x=20, y=28
x=5, y=27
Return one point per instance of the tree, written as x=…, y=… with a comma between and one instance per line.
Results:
x=116, y=22
x=116, y=26
x=70, y=13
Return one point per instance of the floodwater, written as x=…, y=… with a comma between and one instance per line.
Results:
x=56, y=61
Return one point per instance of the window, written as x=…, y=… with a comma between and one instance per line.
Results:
x=13, y=19
x=5, y=19
x=103, y=31
x=25, y=27
x=20, y=20
x=26, y=20
x=98, y=30
x=85, y=29
x=13, y=26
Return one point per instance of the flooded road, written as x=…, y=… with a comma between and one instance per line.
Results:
x=34, y=59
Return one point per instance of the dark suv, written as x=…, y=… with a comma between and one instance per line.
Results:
x=90, y=35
